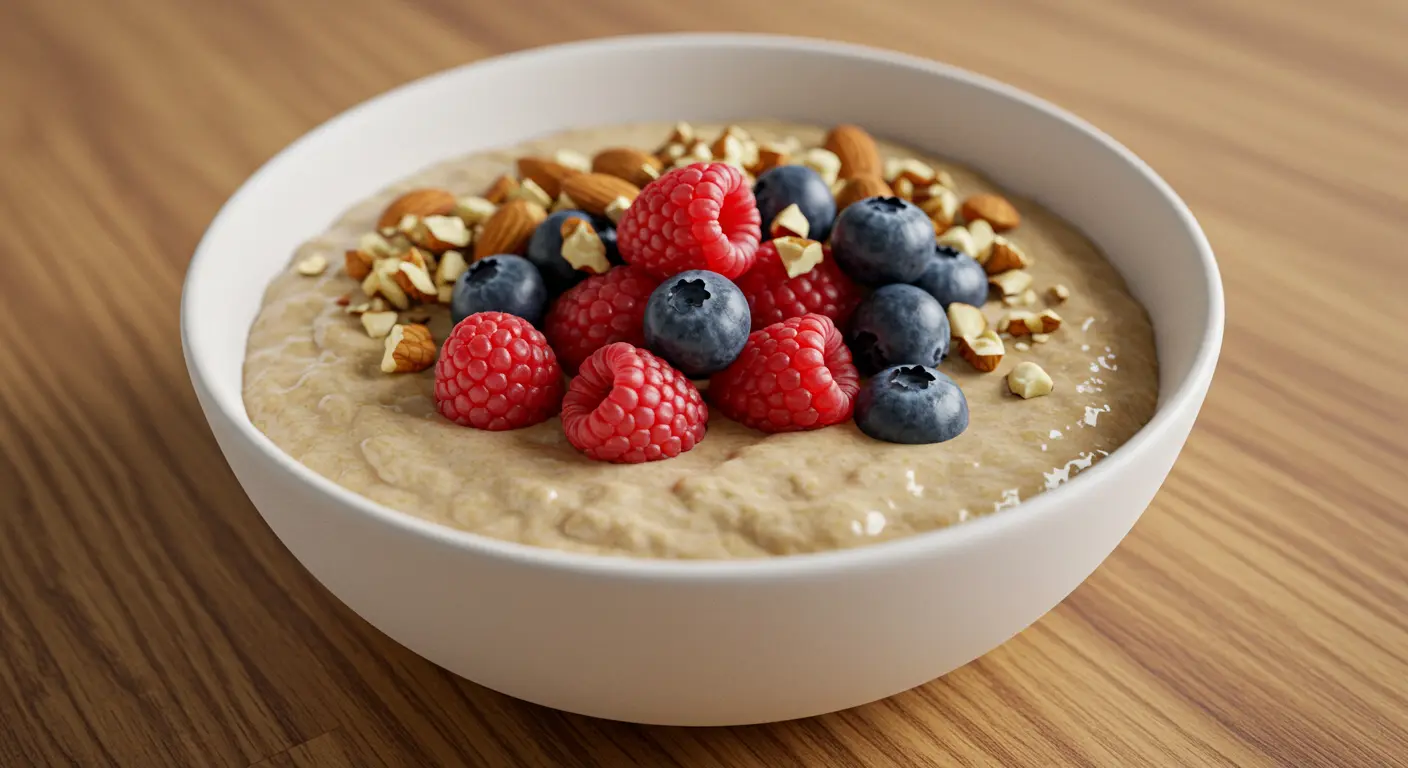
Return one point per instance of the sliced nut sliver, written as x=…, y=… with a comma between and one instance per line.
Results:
x=1028, y=380
x=942, y=207
x=959, y=238
x=824, y=162
x=798, y=254
x=474, y=210
x=378, y=324
x=1005, y=254
x=617, y=208
x=447, y=231
x=1012, y=282
x=419, y=277
x=530, y=191
x=452, y=265
x=790, y=221
x=582, y=247
x=984, y=352
x=983, y=236
x=1058, y=294
x=966, y=321
x=312, y=266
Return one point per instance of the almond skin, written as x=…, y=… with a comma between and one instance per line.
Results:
x=358, y=265
x=627, y=164
x=994, y=209
x=860, y=187
x=594, y=191
x=857, y=151
x=419, y=203
x=547, y=174
x=508, y=230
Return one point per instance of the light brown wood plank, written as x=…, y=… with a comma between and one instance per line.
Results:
x=1255, y=617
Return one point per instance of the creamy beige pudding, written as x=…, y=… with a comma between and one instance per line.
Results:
x=314, y=385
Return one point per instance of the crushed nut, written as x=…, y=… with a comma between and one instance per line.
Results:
x=994, y=209
x=824, y=162
x=573, y=159
x=452, y=265
x=982, y=239
x=446, y=294
x=343, y=300
x=942, y=207
x=1029, y=298
x=617, y=208
x=474, y=210
x=564, y=203
x=375, y=246
x=358, y=264
x=388, y=276
x=441, y=233
x=903, y=188
x=789, y=221
x=959, y=238
x=966, y=320
x=1023, y=323
x=1011, y=282
x=1028, y=380
x=312, y=266
x=500, y=189
x=582, y=246
x=1041, y=338
x=378, y=324
x=770, y=156
x=1004, y=255
x=371, y=284
x=1058, y=294
x=798, y=254
x=1022, y=346
x=530, y=191
x=915, y=170
x=983, y=352
x=409, y=348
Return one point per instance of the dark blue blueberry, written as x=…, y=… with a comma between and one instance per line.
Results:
x=545, y=252
x=606, y=230
x=882, y=240
x=788, y=184
x=911, y=404
x=501, y=283
x=698, y=321
x=898, y=325
x=953, y=275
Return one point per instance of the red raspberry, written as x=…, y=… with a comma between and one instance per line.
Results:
x=702, y=216
x=774, y=297
x=598, y=311
x=792, y=375
x=496, y=371
x=628, y=406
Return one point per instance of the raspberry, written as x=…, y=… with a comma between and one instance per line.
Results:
x=792, y=375
x=496, y=371
x=598, y=311
x=774, y=297
x=702, y=216
x=628, y=406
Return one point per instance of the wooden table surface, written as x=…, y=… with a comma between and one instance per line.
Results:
x=1256, y=616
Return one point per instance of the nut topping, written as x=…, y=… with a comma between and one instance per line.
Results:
x=582, y=246
x=312, y=266
x=1028, y=380
x=378, y=324
x=1011, y=282
x=1004, y=256
x=798, y=254
x=789, y=221
x=409, y=348
x=966, y=321
x=983, y=352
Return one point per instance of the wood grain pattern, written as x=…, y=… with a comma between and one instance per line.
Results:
x=1255, y=617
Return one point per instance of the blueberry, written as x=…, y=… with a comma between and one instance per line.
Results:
x=698, y=321
x=500, y=283
x=545, y=252
x=953, y=275
x=788, y=184
x=911, y=404
x=898, y=325
x=882, y=240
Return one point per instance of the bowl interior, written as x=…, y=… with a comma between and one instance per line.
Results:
x=1024, y=144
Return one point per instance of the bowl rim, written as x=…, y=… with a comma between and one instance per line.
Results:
x=927, y=544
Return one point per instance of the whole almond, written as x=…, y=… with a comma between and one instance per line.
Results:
x=508, y=230
x=594, y=191
x=628, y=164
x=500, y=188
x=419, y=203
x=860, y=187
x=547, y=174
x=994, y=209
x=856, y=149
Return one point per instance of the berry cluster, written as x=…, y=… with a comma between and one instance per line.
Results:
x=709, y=277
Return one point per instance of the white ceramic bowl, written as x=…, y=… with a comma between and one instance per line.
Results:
x=705, y=643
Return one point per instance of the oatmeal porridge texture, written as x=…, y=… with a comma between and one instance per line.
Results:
x=313, y=384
